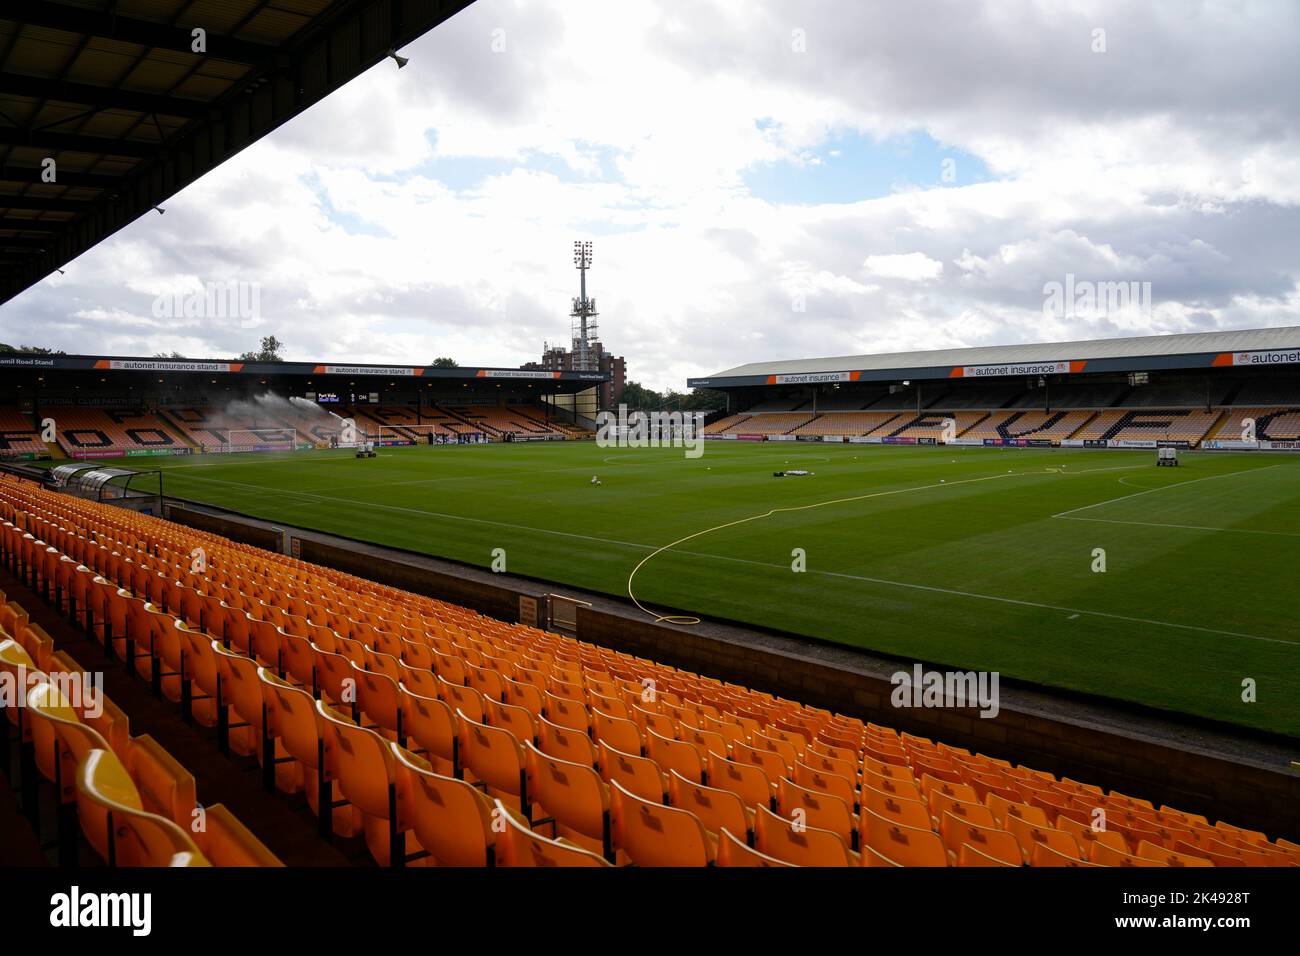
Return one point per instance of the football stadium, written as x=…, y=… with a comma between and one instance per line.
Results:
x=1026, y=606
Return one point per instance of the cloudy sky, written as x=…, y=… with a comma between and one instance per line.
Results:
x=761, y=180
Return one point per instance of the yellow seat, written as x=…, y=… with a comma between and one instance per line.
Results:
x=517, y=720
x=451, y=819
x=494, y=758
x=797, y=843
x=519, y=846
x=227, y=842
x=292, y=721
x=820, y=810
x=651, y=834
x=675, y=755
x=360, y=760
x=748, y=782
x=1031, y=836
x=621, y=734
x=824, y=782
x=717, y=809
x=114, y=821
x=998, y=844
x=735, y=852
x=1149, y=851
x=969, y=855
x=60, y=742
x=570, y=795
x=431, y=731
x=241, y=692
x=903, y=845
x=1044, y=855
x=378, y=703
x=638, y=775
x=165, y=787
x=565, y=743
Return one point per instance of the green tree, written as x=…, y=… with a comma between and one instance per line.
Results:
x=444, y=362
x=32, y=349
x=270, y=351
x=639, y=398
x=704, y=400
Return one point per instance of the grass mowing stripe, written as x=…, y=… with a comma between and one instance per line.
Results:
x=977, y=577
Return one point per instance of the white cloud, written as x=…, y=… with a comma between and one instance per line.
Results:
x=430, y=211
x=909, y=266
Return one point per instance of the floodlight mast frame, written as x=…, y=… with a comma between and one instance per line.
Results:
x=584, y=334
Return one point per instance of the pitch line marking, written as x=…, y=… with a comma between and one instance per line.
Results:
x=1151, y=491
x=1189, y=527
x=1006, y=600
x=723, y=557
x=689, y=620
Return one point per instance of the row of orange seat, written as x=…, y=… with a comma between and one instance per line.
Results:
x=1179, y=424
x=433, y=730
x=136, y=804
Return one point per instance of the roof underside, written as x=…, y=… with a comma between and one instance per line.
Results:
x=114, y=93
x=1144, y=346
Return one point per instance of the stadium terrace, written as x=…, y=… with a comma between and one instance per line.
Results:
x=1205, y=390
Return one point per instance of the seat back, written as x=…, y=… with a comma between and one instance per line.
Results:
x=748, y=782
x=820, y=810
x=61, y=741
x=430, y=725
x=638, y=775
x=449, y=817
x=360, y=760
x=797, y=843
x=291, y=717
x=519, y=846
x=735, y=852
x=717, y=809
x=565, y=743
x=906, y=846
x=492, y=755
x=573, y=794
x=651, y=834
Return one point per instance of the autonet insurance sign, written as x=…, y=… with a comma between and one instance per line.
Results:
x=1289, y=357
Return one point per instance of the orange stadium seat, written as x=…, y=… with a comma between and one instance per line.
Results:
x=522, y=747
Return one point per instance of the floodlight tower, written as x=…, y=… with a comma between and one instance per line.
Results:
x=586, y=340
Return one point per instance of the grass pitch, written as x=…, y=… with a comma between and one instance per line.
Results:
x=970, y=557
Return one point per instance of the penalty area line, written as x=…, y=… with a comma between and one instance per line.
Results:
x=1152, y=491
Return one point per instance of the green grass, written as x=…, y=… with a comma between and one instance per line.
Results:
x=957, y=556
